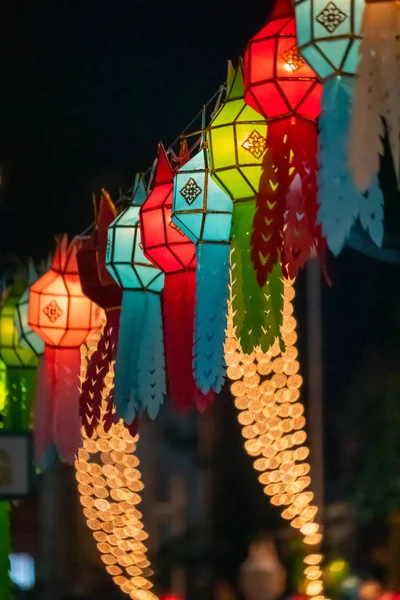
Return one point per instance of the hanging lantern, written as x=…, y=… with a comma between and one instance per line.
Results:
x=168, y=248
x=100, y=288
x=28, y=339
x=21, y=362
x=203, y=211
x=328, y=35
x=377, y=92
x=237, y=142
x=140, y=369
x=282, y=87
x=62, y=316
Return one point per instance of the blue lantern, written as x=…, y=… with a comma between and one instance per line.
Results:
x=140, y=370
x=203, y=211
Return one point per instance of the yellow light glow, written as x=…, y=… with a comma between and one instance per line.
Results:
x=108, y=483
x=267, y=391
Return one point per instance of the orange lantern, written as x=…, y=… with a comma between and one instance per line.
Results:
x=63, y=317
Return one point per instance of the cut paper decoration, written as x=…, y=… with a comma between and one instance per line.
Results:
x=140, y=368
x=237, y=142
x=203, y=211
x=282, y=87
x=100, y=288
x=169, y=249
x=377, y=92
x=62, y=316
x=329, y=39
x=21, y=361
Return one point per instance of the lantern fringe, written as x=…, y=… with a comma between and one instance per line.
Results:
x=377, y=92
x=139, y=370
x=252, y=305
x=178, y=313
x=66, y=423
x=340, y=201
x=212, y=295
x=20, y=384
x=267, y=230
x=44, y=407
x=151, y=365
x=5, y=551
x=98, y=367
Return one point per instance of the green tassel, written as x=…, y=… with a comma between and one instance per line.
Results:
x=19, y=400
x=257, y=312
x=5, y=548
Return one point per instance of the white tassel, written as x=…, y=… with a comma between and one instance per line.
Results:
x=377, y=93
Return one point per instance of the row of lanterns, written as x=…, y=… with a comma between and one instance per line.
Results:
x=238, y=218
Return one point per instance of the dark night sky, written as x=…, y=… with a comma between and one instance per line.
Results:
x=89, y=88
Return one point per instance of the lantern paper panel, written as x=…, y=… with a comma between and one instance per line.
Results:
x=167, y=247
x=282, y=87
x=328, y=35
x=28, y=339
x=237, y=142
x=61, y=314
x=341, y=202
x=203, y=211
x=140, y=368
x=376, y=94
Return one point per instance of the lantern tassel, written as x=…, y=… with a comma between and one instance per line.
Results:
x=5, y=551
x=340, y=201
x=178, y=312
x=212, y=295
x=66, y=422
x=20, y=393
x=98, y=367
x=252, y=305
x=377, y=92
x=267, y=230
x=151, y=365
x=45, y=450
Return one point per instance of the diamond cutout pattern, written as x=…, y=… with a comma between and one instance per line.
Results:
x=190, y=191
x=52, y=311
x=255, y=143
x=331, y=17
x=293, y=59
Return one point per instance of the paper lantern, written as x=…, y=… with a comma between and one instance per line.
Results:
x=100, y=287
x=62, y=316
x=283, y=88
x=21, y=362
x=237, y=143
x=203, y=211
x=377, y=91
x=140, y=369
x=168, y=248
x=328, y=35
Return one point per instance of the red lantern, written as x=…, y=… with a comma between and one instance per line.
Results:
x=63, y=317
x=99, y=286
x=282, y=87
x=171, y=251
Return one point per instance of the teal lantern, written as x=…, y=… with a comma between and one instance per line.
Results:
x=139, y=371
x=28, y=339
x=203, y=211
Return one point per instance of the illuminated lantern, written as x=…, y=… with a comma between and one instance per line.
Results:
x=62, y=316
x=203, y=211
x=328, y=36
x=168, y=248
x=100, y=288
x=140, y=369
x=237, y=142
x=377, y=92
x=21, y=362
x=282, y=87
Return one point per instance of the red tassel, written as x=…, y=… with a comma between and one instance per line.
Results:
x=178, y=315
x=267, y=234
x=44, y=406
